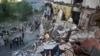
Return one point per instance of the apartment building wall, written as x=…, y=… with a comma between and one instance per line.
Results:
x=90, y=3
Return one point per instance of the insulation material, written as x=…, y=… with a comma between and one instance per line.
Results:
x=67, y=12
x=55, y=8
x=65, y=9
x=55, y=11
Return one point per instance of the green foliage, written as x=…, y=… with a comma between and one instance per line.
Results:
x=19, y=11
x=6, y=10
x=24, y=9
x=1, y=11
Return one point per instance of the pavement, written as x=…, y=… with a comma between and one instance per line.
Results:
x=29, y=37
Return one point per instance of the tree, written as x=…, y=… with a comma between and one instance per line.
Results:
x=6, y=10
x=24, y=9
x=1, y=11
x=12, y=10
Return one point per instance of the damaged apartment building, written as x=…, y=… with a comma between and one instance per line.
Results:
x=65, y=28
